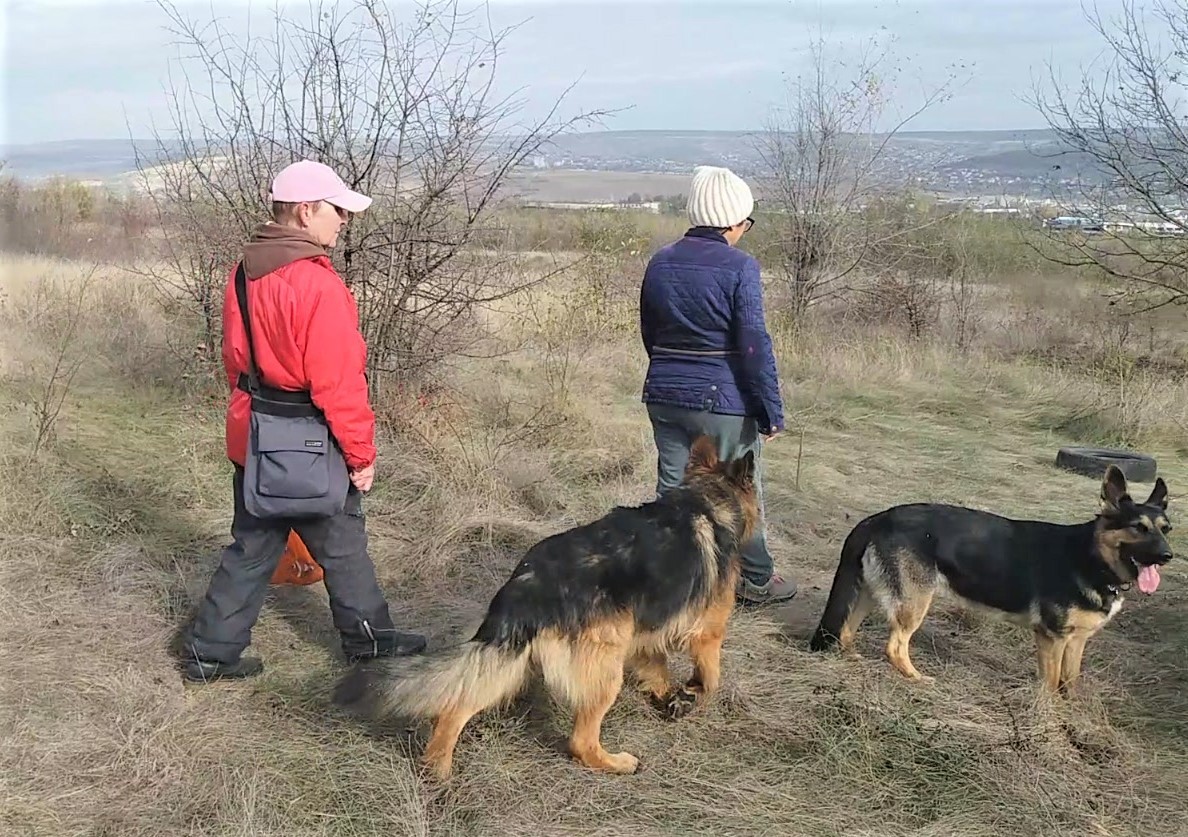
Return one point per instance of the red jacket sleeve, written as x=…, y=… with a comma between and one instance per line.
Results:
x=232, y=334
x=335, y=362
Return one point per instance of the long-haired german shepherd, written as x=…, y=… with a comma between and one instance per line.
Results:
x=1064, y=581
x=622, y=591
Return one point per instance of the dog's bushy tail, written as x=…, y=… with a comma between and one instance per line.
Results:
x=847, y=584
x=472, y=676
x=489, y=669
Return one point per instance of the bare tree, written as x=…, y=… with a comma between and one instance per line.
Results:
x=404, y=110
x=962, y=276
x=1122, y=133
x=825, y=176
x=55, y=310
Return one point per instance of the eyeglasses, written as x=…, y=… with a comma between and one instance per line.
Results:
x=750, y=222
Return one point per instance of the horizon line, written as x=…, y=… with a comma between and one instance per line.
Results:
x=595, y=132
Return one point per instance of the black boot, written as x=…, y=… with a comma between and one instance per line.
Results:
x=205, y=671
x=390, y=643
x=401, y=644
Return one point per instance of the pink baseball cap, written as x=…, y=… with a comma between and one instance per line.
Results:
x=309, y=181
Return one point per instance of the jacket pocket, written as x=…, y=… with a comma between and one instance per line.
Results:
x=710, y=395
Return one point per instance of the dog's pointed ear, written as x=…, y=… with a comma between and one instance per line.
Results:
x=1158, y=494
x=742, y=471
x=1114, y=493
x=704, y=453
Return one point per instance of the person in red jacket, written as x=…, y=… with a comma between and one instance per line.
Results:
x=305, y=327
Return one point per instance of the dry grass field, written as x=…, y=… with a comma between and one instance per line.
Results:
x=593, y=186
x=109, y=533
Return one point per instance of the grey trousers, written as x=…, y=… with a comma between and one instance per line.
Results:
x=675, y=428
x=222, y=628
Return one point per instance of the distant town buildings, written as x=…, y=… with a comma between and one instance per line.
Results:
x=653, y=207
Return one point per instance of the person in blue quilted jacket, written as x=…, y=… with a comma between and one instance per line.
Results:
x=711, y=367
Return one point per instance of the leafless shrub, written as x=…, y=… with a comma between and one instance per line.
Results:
x=1122, y=133
x=961, y=278
x=55, y=313
x=908, y=300
x=64, y=218
x=404, y=111
x=823, y=157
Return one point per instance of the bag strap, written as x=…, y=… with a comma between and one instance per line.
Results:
x=241, y=295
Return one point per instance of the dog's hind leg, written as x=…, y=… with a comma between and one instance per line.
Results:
x=590, y=674
x=439, y=752
x=858, y=613
x=906, y=619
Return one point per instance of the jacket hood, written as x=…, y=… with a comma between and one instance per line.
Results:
x=272, y=246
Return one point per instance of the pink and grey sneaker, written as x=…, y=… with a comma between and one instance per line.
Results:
x=777, y=589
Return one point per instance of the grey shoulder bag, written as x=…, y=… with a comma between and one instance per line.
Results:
x=294, y=465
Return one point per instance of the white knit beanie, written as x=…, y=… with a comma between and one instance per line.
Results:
x=718, y=198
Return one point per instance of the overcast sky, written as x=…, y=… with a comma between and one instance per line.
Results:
x=86, y=68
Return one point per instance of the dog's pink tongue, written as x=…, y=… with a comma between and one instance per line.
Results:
x=1148, y=580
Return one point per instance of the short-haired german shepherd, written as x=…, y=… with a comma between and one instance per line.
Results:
x=622, y=591
x=1064, y=581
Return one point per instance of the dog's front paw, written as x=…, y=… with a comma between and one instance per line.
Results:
x=680, y=703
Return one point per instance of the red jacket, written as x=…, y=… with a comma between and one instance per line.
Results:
x=306, y=330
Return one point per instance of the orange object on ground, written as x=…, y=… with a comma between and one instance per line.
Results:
x=297, y=566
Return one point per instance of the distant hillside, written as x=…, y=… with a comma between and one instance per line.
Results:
x=1023, y=163
x=1032, y=136
x=719, y=141
x=83, y=159
x=944, y=161
x=100, y=158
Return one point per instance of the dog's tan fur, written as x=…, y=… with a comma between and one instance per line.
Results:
x=586, y=670
x=897, y=570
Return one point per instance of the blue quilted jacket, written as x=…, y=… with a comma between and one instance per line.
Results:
x=701, y=320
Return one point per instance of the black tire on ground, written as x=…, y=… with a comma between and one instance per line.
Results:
x=1092, y=462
